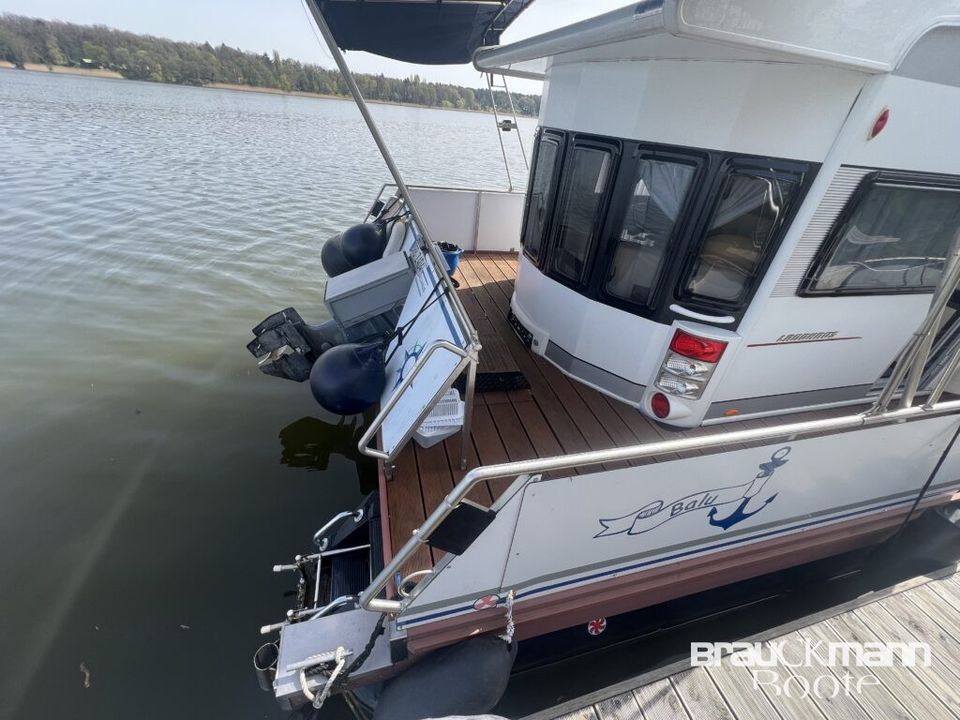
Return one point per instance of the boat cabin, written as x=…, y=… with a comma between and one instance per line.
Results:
x=736, y=214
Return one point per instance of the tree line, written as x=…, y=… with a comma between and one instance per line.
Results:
x=143, y=57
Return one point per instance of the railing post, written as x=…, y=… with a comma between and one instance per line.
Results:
x=469, y=390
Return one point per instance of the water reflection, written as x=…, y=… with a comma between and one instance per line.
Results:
x=310, y=441
x=144, y=228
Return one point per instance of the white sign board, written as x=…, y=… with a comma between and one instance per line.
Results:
x=427, y=318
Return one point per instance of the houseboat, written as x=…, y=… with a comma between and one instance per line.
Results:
x=716, y=337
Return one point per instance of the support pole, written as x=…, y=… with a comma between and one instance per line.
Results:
x=496, y=119
x=468, y=394
x=516, y=123
x=473, y=341
x=348, y=78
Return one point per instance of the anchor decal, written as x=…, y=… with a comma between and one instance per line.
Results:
x=656, y=513
x=738, y=514
x=407, y=356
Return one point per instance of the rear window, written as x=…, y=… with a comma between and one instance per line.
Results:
x=586, y=180
x=542, y=187
x=745, y=220
x=658, y=199
x=895, y=239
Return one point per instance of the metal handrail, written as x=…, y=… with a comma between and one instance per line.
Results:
x=912, y=358
x=310, y=613
x=369, y=599
x=318, y=537
x=458, y=188
x=468, y=356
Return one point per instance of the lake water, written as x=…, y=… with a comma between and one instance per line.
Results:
x=150, y=476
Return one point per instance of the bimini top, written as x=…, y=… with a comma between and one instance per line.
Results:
x=428, y=32
x=873, y=37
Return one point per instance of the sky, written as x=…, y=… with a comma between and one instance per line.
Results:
x=282, y=25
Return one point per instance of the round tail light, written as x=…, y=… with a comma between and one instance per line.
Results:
x=660, y=404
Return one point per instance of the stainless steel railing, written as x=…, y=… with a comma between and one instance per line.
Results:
x=369, y=599
x=468, y=362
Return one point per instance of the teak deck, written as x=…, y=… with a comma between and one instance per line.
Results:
x=557, y=415
x=921, y=610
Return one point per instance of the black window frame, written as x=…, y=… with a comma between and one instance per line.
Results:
x=689, y=233
x=798, y=171
x=841, y=224
x=560, y=139
x=574, y=142
x=616, y=219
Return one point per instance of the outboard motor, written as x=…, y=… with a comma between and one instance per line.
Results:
x=286, y=347
x=365, y=295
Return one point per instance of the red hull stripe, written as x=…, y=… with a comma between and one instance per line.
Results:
x=801, y=342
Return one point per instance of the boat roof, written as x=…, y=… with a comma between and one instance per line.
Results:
x=873, y=36
x=427, y=32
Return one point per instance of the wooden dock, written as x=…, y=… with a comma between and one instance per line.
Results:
x=922, y=610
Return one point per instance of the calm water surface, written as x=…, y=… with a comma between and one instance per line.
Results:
x=149, y=475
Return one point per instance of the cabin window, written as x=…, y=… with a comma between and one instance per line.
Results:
x=895, y=239
x=741, y=230
x=542, y=187
x=654, y=210
x=579, y=219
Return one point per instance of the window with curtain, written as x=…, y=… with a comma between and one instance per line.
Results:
x=541, y=191
x=578, y=222
x=895, y=240
x=659, y=194
x=739, y=234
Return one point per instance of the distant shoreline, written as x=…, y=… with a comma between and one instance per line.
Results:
x=319, y=96
x=65, y=70
x=113, y=75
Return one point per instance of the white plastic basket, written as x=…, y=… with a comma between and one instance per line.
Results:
x=446, y=413
x=444, y=420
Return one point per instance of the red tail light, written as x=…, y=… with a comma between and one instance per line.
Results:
x=660, y=405
x=691, y=346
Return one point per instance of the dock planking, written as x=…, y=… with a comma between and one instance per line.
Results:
x=556, y=415
x=922, y=609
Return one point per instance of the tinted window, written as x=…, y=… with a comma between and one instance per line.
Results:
x=658, y=198
x=895, y=240
x=541, y=191
x=578, y=222
x=743, y=225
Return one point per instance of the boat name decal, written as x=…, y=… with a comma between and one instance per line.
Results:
x=808, y=336
x=658, y=512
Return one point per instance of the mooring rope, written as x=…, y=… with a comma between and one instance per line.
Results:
x=511, y=627
x=317, y=700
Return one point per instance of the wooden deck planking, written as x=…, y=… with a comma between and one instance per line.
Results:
x=556, y=415
x=923, y=609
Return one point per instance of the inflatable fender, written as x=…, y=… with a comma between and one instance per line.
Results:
x=332, y=259
x=362, y=244
x=347, y=379
x=468, y=678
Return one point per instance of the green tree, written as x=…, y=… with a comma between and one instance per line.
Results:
x=96, y=54
x=141, y=57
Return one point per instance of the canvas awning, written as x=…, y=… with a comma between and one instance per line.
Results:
x=427, y=32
